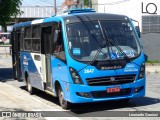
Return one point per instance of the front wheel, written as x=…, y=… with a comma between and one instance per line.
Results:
x=63, y=103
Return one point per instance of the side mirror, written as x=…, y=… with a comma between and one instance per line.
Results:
x=137, y=27
x=145, y=57
x=138, y=31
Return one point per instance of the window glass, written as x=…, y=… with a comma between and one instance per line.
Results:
x=46, y=40
x=21, y=39
x=58, y=41
x=27, y=39
x=36, y=32
x=36, y=38
x=36, y=44
x=27, y=44
x=86, y=38
x=27, y=33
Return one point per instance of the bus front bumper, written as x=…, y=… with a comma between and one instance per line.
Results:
x=84, y=93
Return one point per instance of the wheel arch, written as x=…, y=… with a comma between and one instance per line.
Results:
x=56, y=86
x=26, y=76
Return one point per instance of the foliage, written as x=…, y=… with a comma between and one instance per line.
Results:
x=86, y=3
x=8, y=10
x=153, y=61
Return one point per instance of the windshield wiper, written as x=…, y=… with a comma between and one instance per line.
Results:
x=119, y=48
x=94, y=60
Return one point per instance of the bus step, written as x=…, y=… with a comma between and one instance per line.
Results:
x=49, y=92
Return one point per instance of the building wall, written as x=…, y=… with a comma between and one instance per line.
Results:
x=131, y=8
x=151, y=43
x=36, y=11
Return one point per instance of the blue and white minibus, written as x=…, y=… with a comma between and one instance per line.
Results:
x=80, y=57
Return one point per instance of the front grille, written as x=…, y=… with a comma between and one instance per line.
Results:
x=110, y=80
x=104, y=94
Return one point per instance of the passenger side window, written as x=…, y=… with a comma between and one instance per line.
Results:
x=46, y=46
x=27, y=39
x=22, y=39
x=58, y=41
x=27, y=44
x=36, y=38
x=58, y=44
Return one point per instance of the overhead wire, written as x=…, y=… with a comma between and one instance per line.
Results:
x=113, y=3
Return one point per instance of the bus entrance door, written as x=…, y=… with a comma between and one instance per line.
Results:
x=16, y=55
x=46, y=56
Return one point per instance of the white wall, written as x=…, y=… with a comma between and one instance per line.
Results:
x=9, y=28
x=131, y=8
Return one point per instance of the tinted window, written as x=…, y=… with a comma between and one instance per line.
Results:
x=58, y=41
x=36, y=38
x=86, y=38
x=27, y=44
x=36, y=32
x=27, y=39
x=27, y=33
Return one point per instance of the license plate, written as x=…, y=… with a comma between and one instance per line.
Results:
x=113, y=90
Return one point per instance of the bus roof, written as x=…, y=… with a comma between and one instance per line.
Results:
x=22, y=24
x=93, y=16
x=75, y=16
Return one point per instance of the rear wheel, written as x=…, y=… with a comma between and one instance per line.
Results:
x=29, y=88
x=63, y=103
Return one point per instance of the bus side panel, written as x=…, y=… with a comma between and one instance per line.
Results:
x=61, y=74
x=33, y=69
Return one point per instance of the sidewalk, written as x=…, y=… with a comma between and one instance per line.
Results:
x=5, y=52
x=153, y=69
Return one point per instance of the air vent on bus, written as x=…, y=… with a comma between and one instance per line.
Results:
x=110, y=80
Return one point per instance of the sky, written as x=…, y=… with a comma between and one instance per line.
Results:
x=40, y=2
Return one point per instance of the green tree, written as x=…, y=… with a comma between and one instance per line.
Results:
x=88, y=3
x=8, y=9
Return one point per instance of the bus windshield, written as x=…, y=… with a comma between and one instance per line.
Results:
x=86, y=38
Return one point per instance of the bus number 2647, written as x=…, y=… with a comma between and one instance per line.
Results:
x=88, y=70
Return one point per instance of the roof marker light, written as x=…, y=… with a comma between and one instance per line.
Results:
x=72, y=11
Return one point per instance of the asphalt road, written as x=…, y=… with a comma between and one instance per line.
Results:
x=14, y=97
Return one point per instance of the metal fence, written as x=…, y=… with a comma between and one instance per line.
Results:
x=151, y=24
x=5, y=51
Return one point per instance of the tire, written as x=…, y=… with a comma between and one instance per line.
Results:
x=29, y=88
x=63, y=103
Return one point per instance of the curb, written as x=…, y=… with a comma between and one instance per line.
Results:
x=5, y=56
x=153, y=69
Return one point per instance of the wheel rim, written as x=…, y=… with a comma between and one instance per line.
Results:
x=28, y=85
x=61, y=99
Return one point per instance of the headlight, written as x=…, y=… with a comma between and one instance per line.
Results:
x=142, y=72
x=75, y=76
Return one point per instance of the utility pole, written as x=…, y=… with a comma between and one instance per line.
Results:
x=90, y=3
x=55, y=7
